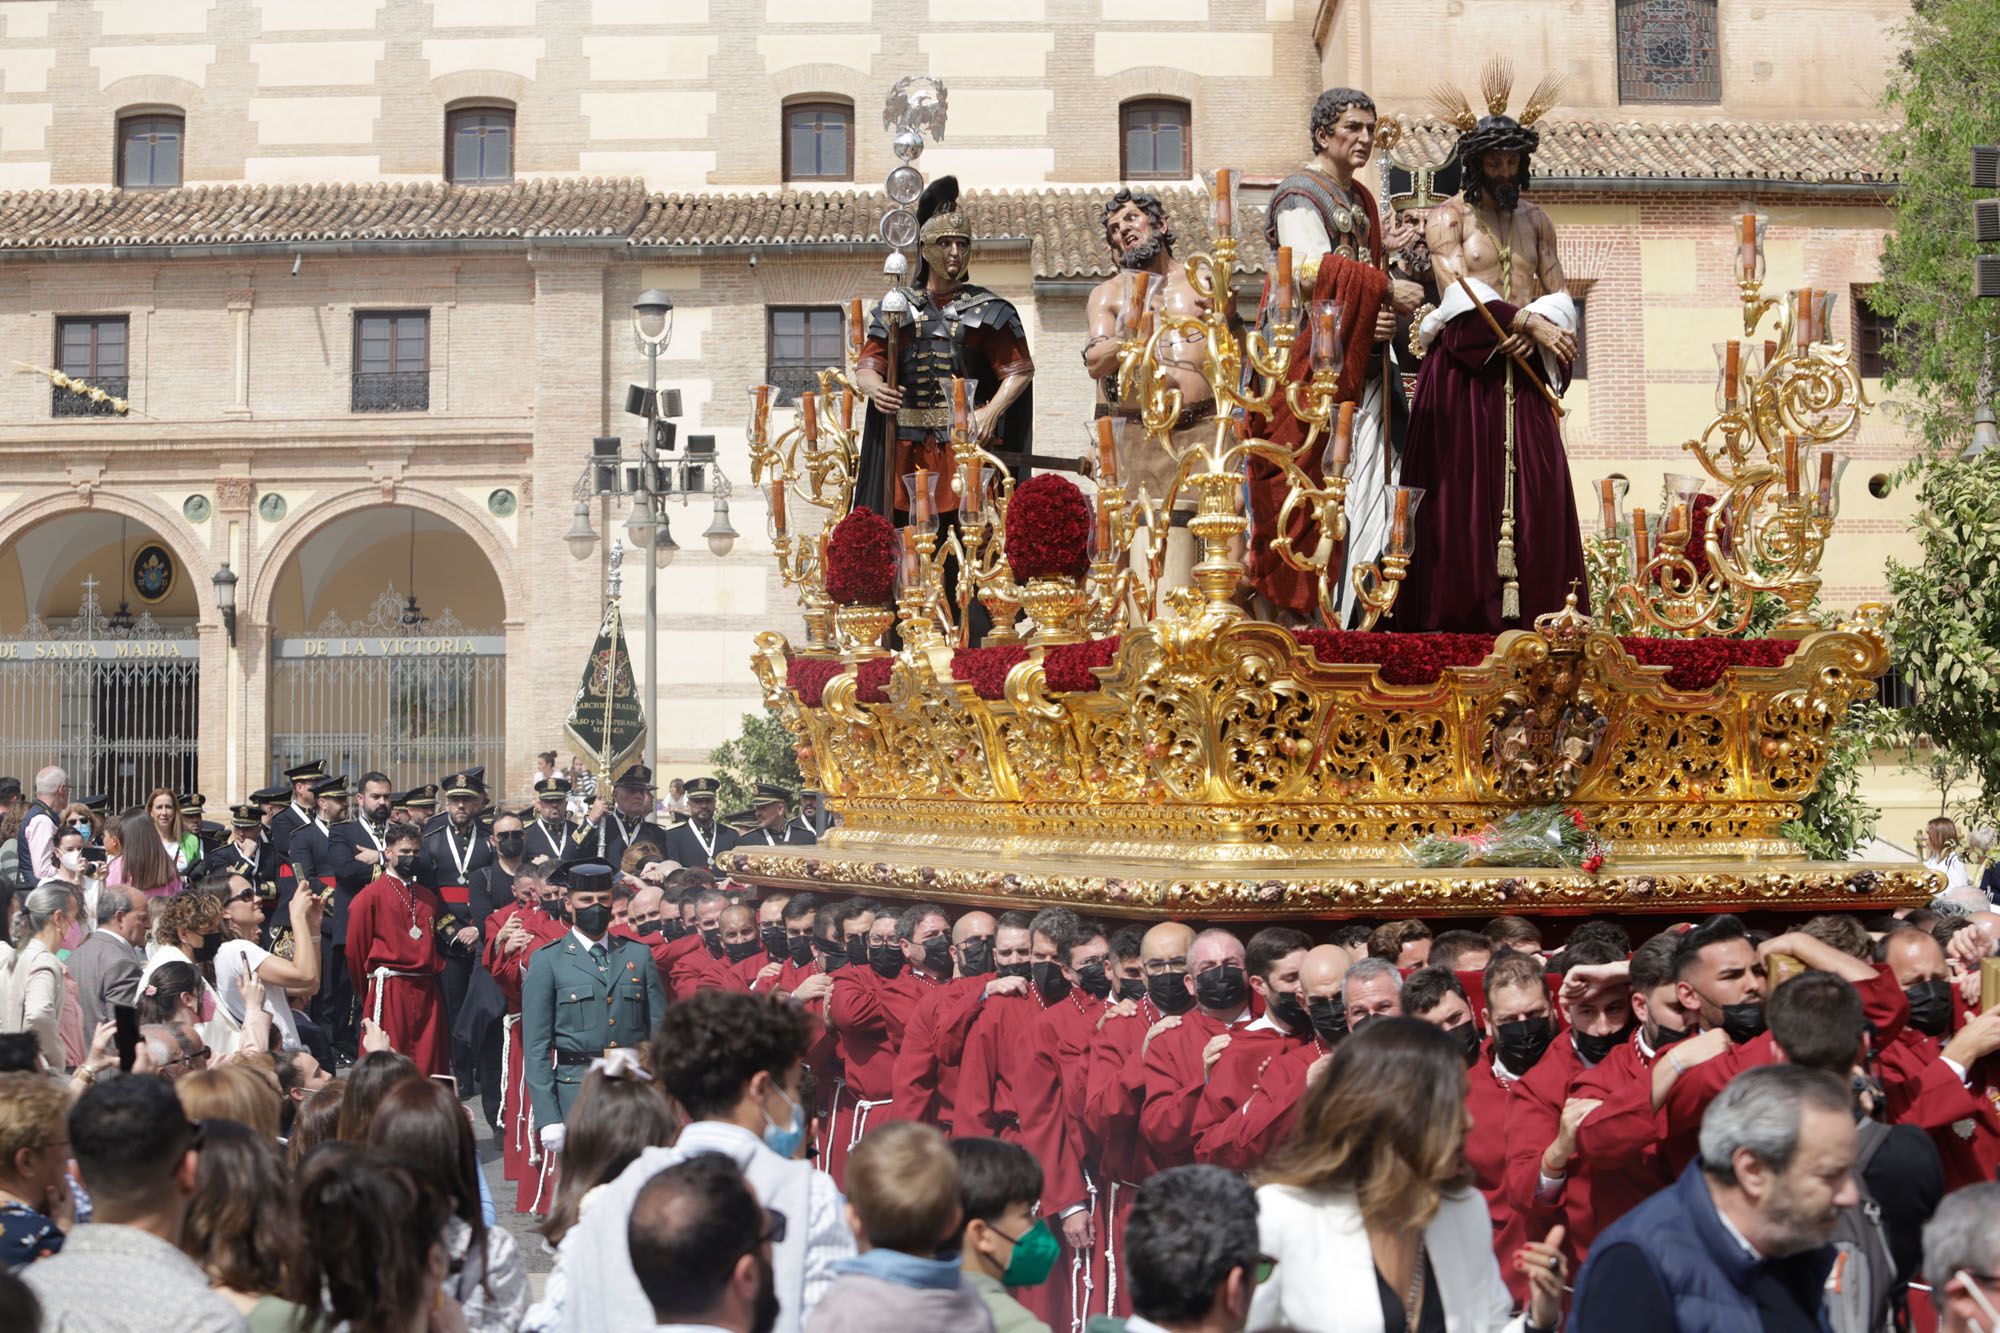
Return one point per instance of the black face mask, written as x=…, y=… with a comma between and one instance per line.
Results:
x=739, y=950
x=1221, y=988
x=1169, y=992
x=799, y=948
x=832, y=956
x=406, y=866
x=857, y=950
x=1025, y=971
x=1285, y=1006
x=555, y=907
x=1131, y=988
x=1744, y=1022
x=1467, y=1036
x=774, y=942
x=975, y=955
x=594, y=920
x=676, y=929
x=208, y=946
x=1594, y=1049
x=1662, y=1038
x=1329, y=1017
x=1048, y=980
x=937, y=955
x=653, y=927
x=1521, y=1043
x=711, y=940
x=887, y=960
x=1930, y=1007
x=1093, y=980
x=511, y=844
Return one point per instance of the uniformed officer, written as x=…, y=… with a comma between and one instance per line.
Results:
x=310, y=850
x=807, y=821
x=629, y=820
x=270, y=800
x=770, y=805
x=415, y=805
x=471, y=780
x=549, y=836
x=208, y=834
x=699, y=841
x=247, y=853
x=582, y=995
x=453, y=849
x=302, y=809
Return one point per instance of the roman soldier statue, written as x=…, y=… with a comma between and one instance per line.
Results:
x=1497, y=543
x=1331, y=223
x=918, y=339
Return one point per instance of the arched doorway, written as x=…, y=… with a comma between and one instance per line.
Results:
x=99, y=658
x=388, y=652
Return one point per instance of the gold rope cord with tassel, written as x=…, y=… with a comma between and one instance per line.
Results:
x=1505, y=564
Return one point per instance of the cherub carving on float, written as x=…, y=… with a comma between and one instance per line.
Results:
x=1498, y=543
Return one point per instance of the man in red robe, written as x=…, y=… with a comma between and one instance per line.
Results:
x=392, y=946
x=1178, y=1061
x=512, y=934
x=1496, y=543
x=927, y=1062
x=1275, y=959
x=743, y=957
x=1264, y=1116
x=1931, y=1070
x=867, y=1017
x=697, y=962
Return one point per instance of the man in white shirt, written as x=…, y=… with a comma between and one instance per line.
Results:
x=701, y=1245
x=734, y=1062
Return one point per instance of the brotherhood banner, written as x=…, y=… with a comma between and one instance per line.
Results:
x=605, y=721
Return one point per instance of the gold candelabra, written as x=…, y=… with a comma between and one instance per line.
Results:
x=1758, y=521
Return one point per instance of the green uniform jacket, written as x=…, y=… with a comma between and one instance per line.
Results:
x=571, y=1003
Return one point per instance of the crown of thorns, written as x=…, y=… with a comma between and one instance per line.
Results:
x=1497, y=132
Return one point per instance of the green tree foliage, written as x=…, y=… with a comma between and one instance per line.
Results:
x=1943, y=85
x=1946, y=623
x=764, y=752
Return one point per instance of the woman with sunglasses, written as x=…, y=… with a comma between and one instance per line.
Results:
x=285, y=980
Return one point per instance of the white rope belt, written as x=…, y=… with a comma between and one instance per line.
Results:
x=861, y=1110
x=507, y=1026
x=376, y=978
x=1080, y=1266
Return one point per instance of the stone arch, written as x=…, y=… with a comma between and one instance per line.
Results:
x=479, y=85
x=802, y=82
x=483, y=534
x=146, y=92
x=171, y=528
x=1142, y=81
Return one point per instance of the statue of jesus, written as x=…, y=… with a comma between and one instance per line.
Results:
x=1496, y=542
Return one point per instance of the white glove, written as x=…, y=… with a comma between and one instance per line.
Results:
x=552, y=1138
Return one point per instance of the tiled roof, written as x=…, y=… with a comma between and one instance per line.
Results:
x=1831, y=153
x=1063, y=226
x=253, y=214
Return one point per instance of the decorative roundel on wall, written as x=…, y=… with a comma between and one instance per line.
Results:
x=197, y=508
x=502, y=502
x=272, y=506
x=153, y=572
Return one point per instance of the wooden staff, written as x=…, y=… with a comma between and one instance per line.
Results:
x=1555, y=403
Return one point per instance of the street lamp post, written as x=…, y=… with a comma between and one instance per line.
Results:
x=651, y=477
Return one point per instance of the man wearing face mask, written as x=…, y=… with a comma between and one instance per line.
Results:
x=742, y=949
x=1179, y=1061
x=1275, y=959
x=1371, y=988
x=393, y=947
x=1242, y=1141
x=927, y=1062
x=868, y=1009
x=1712, y=962
x=1930, y=1071
x=581, y=996
x=760, y=971
x=699, y=961
x=512, y=935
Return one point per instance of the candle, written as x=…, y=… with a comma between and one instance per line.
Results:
x=1732, y=373
x=1770, y=352
x=1106, y=547
x=778, y=506
x=1224, y=215
x=1107, y=451
x=760, y=414
x=1399, y=529
x=1679, y=521
x=920, y=502
x=847, y=409
x=1326, y=336
x=854, y=324
x=1146, y=327
x=823, y=535
x=1139, y=300
x=1281, y=294
x=910, y=563
x=1826, y=481
x=809, y=416
x=1343, y=438
x=1791, y=465
x=1746, y=250
x=1804, y=334
x=1642, y=541
x=1607, y=499
x=960, y=420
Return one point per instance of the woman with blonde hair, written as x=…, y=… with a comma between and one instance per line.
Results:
x=1940, y=853
x=235, y=1091
x=36, y=987
x=1373, y=1193
x=189, y=929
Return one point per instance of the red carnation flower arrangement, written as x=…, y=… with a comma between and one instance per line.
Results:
x=861, y=559
x=1048, y=529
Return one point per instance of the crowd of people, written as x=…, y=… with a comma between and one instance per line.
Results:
x=756, y=1111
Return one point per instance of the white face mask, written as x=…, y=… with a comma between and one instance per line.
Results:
x=1970, y=1286
x=72, y=860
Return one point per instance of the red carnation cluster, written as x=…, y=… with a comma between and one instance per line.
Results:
x=986, y=668
x=1048, y=529
x=1404, y=659
x=1699, y=663
x=807, y=678
x=861, y=557
x=1069, y=667
x=871, y=682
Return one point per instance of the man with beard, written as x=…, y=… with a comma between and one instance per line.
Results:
x=534, y=918
x=1497, y=542
x=454, y=851
x=696, y=843
x=942, y=325
x=927, y=1062
x=701, y=1248
x=358, y=852
x=1331, y=223
x=1135, y=227
x=1740, y=1240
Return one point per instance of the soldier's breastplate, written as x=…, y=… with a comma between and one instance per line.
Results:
x=924, y=370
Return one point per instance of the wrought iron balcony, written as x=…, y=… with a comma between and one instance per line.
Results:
x=392, y=391
x=68, y=403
